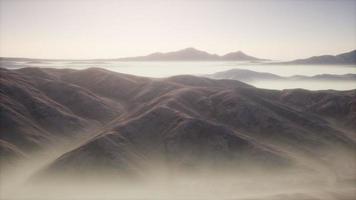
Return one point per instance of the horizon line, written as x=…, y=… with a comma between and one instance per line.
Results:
x=115, y=58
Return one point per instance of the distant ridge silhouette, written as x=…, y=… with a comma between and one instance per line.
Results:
x=348, y=58
x=245, y=75
x=192, y=54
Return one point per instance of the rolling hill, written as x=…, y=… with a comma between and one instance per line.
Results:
x=183, y=121
x=250, y=76
x=348, y=58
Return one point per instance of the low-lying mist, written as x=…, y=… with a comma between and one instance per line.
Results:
x=96, y=134
x=335, y=180
x=310, y=85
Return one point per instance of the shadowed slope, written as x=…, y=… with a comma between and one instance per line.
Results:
x=187, y=121
x=183, y=121
x=37, y=107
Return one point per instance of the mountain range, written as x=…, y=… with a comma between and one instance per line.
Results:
x=187, y=54
x=192, y=54
x=348, y=58
x=182, y=121
x=245, y=75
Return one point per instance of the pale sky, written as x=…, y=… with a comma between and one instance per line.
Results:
x=80, y=29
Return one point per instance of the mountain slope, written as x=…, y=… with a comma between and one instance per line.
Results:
x=244, y=75
x=183, y=122
x=192, y=121
x=240, y=56
x=37, y=109
x=348, y=58
x=250, y=76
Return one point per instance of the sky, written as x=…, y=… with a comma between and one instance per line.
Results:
x=86, y=29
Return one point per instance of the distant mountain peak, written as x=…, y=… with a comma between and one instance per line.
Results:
x=190, y=49
x=238, y=52
x=193, y=54
x=240, y=56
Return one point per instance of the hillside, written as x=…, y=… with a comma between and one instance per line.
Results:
x=251, y=76
x=182, y=121
x=348, y=58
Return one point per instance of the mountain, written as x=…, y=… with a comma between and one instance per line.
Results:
x=348, y=58
x=9, y=153
x=245, y=75
x=37, y=109
x=192, y=54
x=240, y=56
x=329, y=77
x=188, y=54
x=185, y=122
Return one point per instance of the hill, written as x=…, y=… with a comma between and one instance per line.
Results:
x=348, y=58
x=245, y=75
x=183, y=122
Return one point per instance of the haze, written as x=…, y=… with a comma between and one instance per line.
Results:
x=272, y=29
x=247, y=99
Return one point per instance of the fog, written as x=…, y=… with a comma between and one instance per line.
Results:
x=331, y=177
x=310, y=85
x=166, y=69
x=171, y=68
x=333, y=180
x=284, y=186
